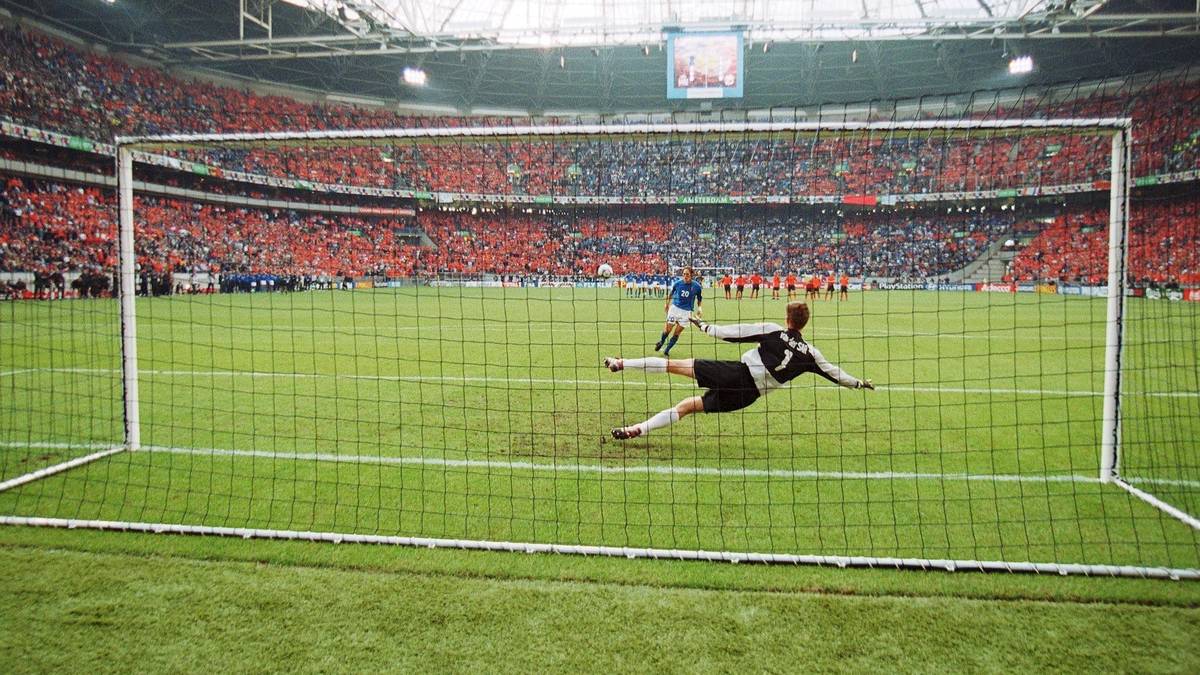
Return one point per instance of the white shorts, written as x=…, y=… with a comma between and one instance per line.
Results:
x=678, y=316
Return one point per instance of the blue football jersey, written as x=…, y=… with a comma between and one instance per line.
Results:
x=684, y=294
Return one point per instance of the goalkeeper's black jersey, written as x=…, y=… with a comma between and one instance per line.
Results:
x=781, y=355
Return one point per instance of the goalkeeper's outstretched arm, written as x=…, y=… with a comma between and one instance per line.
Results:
x=741, y=332
x=835, y=374
x=757, y=332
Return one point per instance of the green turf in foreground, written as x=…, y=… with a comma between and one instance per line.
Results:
x=123, y=603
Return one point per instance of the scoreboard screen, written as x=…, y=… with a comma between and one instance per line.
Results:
x=704, y=65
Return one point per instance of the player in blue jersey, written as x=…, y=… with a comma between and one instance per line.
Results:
x=684, y=296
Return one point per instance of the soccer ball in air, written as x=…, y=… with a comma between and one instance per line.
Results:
x=605, y=270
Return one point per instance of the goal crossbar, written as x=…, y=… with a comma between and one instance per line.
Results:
x=1113, y=124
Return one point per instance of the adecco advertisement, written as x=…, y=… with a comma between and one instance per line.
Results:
x=996, y=288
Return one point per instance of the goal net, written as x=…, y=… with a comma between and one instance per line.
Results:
x=399, y=336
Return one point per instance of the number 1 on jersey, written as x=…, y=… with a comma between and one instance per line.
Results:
x=787, y=357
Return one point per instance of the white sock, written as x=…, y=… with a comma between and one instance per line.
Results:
x=650, y=364
x=663, y=419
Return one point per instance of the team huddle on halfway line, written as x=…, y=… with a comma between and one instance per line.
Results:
x=780, y=356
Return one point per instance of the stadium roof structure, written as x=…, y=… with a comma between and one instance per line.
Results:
x=583, y=23
x=548, y=56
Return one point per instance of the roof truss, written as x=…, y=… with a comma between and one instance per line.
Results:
x=1077, y=20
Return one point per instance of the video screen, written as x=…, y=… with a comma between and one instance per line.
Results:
x=704, y=65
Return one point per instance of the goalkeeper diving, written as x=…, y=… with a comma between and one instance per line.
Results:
x=781, y=356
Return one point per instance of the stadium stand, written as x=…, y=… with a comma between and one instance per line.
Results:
x=53, y=85
x=57, y=227
x=1164, y=246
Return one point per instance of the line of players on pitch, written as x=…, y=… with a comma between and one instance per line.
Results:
x=780, y=356
x=656, y=286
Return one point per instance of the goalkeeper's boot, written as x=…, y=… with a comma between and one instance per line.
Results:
x=626, y=433
x=658, y=345
x=614, y=364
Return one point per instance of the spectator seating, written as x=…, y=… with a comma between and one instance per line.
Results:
x=50, y=84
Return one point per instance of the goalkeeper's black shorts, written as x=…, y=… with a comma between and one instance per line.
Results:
x=729, y=384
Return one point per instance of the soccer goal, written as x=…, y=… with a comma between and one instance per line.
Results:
x=421, y=361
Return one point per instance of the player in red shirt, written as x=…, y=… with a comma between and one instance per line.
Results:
x=755, y=281
x=741, y=284
x=829, y=286
x=775, y=286
x=791, y=285
x=812, y=287
x=845, y=290
x=727, y=281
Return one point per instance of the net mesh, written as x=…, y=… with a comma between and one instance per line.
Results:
x=405, y=337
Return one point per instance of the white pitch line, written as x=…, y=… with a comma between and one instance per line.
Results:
x=822, y=333
x=647, y=469
x=1174, y=482
x=49, y=445
x=486, y=379
x=9, y=373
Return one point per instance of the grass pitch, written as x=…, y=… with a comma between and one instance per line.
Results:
x=483, y=414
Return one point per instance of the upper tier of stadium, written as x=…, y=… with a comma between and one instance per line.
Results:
x=52, y=85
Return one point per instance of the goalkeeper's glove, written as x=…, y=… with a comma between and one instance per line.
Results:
x=866, y=384
x=699, y=324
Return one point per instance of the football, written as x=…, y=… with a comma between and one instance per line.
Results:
x=605, y=270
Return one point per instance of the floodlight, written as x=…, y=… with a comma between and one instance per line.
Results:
x=414, y=76
x=1020, y=65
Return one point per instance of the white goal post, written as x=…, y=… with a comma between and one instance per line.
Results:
x=1118, y=226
